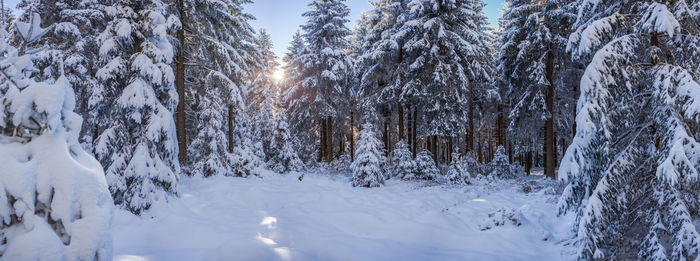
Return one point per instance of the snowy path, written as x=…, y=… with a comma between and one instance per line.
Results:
x=280, y=218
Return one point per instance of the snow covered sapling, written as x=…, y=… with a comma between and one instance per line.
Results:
x=54, y=200
x=456, y=173
x=285, y=158
x=426, y=166
x=367, y=168
x=404, y=165
x=500, y=167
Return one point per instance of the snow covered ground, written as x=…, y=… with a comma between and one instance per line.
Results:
x=324, y=218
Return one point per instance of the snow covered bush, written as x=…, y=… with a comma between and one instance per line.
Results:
x=633, y=167
x=367, y=168
x=499, y=166
x=54, y=200
x=456, y=173
x=427, y=169
x=502, y=217
x=404, y=165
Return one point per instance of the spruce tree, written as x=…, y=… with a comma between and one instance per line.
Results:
x=323, y=78
x=632, y=168
x=134, y=102
x=367, y=168
x=260, y=99
x=71, y=49
x=427, y=169
x=404, y=165
x=284, y=156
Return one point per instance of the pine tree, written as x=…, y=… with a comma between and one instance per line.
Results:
x=133, y=104
x=499, y=166
x=263, y=90
x=404, y=165
x=221, y=56
x=426, y=166
x=285, y=157
x=456, y=173
x=367, y=168
x=325, y=70
x=70, y=48
x=633, y=166
x=533, y=71
x=54, y=198
x=208, y=153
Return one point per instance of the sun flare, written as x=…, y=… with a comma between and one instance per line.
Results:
x=278, y=75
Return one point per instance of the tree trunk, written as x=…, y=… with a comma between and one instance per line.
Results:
x=470, y=132
x=322, y=147
x=352, y=136
x=480, y=157
x=414, y=134
x=230, y=129
x=409, y=127
x=180, y=122
x=387, y=131
x=528, y=162
x=550, y=161
x=329, y=143
x=401, y=127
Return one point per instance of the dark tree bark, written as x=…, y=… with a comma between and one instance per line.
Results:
x=329, y=143
x=414, y=131
x=230, y=129
x=470, y=132
x=322, y=146
x=401, y=125
x=180, y=121
x=549, y=160
x=352, y=136
x=528, y=162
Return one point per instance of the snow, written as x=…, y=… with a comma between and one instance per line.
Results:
x=323, y=217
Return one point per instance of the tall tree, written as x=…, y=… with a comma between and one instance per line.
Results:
x=325, y=70
x=220, y=59
x=633, y=166
x=260, y=100
x=134, y=102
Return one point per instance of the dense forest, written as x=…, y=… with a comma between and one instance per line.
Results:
x=110, y=103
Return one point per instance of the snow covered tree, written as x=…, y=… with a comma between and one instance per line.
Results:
x=221, y=57
x=54, y=200
x=133, y=105
x=292, y=66
x=70, y=48
x=322, y=83
x=208, y=152
x=633, y=166
x=456, y=173
x=426, y=166
x=499, y=166
x=284, y=157
x=367, y=170
x=533, y=67
x=404, y=165
x=260, y=99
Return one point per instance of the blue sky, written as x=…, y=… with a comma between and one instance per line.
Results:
x=281, y=18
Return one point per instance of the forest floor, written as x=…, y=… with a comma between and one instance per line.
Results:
x=278, y=217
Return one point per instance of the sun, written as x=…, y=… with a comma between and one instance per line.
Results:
x=278, y=75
